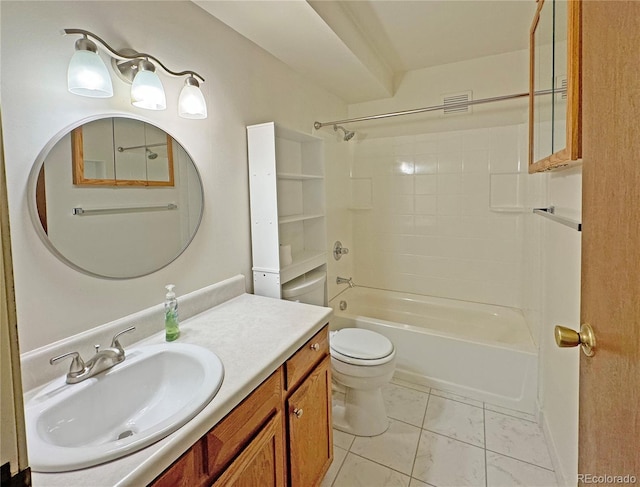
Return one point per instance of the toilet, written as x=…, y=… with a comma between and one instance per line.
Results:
x=362, y=362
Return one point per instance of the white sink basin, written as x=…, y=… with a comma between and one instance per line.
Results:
x=155, y=391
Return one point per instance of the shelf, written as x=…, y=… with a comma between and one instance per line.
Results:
x=302, y=262
x=289, y=207
x=298, y=177
x=298, y=218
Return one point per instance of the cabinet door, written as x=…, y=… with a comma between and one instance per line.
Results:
x=187, y=471
x=261, y=462
x=310, y=430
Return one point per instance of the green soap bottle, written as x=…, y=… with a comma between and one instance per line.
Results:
x=171, y=315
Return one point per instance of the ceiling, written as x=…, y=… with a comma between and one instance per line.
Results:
x=359, y=50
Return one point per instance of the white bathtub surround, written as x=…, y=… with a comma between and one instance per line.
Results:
x=466, y=348
x=252, y=335
x=436, y=451
x=423, y=220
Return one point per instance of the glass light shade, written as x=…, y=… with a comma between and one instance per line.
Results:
x=88, y=76
x=191, y=103
x=147, y=91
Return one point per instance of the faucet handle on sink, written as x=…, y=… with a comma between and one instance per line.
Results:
x=77, y=364
x=115, y=343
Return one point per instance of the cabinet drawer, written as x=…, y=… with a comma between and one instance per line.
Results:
x=238, y=428
x=305, y=359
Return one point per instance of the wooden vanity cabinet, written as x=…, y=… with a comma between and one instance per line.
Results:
x=261, y=462
x=309, y=430
x=187, y=471
x=248, y=438
x=232, y=435
x=281, y=434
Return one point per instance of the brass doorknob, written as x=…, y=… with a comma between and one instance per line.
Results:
x=566, y=337
x=298, y=412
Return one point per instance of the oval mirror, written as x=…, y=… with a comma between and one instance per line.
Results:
x=116, y=198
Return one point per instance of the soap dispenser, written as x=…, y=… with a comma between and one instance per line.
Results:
x=171, y=314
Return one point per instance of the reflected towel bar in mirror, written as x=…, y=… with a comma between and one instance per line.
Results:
x=130, y=209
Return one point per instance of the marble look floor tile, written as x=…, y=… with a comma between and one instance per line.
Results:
x=446, y=462
x=360, y=472
x=405, y=404
x=338, y=458
x=510, y=412
x=395, y=448
x=457, y=397
x=516, y=438
x=455, y=420
x=507, y=472
x=411, y=385
x=342, y=440
x=417, y=483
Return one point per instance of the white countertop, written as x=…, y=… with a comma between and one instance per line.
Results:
x=253, y=336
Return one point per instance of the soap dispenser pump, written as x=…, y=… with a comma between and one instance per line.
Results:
x=171, y=314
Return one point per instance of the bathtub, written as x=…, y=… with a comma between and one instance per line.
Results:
x=476, y=350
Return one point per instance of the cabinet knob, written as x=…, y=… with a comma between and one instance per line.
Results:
x=315, y=347
x=298, y=412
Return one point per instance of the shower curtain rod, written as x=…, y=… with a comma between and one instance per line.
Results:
x=434, y=108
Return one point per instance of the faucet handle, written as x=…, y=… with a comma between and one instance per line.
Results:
x=115, y=343
x=77, y=364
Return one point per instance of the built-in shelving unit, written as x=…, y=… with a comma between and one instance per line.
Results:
x=286, y=183
x=298, y=218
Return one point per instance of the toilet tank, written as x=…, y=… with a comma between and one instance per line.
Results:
x=308, y=288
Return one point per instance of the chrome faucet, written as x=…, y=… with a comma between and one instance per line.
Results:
x=102, y=360
x=344, y=280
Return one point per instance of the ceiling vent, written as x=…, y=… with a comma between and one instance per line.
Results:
x=456, y=103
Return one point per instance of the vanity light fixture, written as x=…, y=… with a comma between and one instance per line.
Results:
x=146, y=89
x=88, y=76
x=191, y=103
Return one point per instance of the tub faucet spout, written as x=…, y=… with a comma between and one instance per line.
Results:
x=344, y=280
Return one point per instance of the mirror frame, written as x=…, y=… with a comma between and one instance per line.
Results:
x=573, y=149
x=77, y=157
x=32, y=187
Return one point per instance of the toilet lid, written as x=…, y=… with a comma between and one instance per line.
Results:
x=361, y=344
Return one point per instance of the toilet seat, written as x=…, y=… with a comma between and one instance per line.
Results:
x=357, y=346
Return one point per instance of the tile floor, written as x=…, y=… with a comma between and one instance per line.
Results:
x=441, y=439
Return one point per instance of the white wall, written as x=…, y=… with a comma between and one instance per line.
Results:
x=244, y=85
x=486, y=77
x=559, y=368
